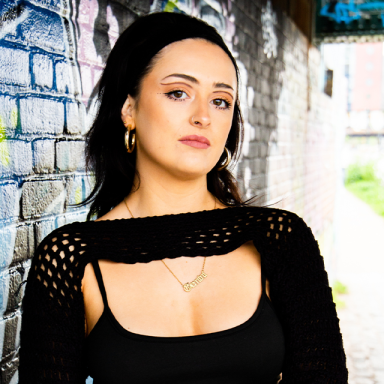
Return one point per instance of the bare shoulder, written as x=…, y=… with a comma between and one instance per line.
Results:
x=116, y=213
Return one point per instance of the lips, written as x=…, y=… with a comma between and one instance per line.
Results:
x=195, y=141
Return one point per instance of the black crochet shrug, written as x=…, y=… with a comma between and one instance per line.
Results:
x=52, y=333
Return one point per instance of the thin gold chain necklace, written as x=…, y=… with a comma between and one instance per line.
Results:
x=199, y=278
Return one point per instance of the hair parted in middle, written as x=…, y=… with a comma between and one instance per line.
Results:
x=133, y=56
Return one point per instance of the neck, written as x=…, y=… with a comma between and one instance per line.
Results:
x=159, y=196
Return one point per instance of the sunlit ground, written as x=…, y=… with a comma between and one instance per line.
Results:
x=360, y=266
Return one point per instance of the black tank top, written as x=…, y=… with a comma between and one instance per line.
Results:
x=252, y=352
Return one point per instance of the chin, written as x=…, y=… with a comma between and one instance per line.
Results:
x=194, y=171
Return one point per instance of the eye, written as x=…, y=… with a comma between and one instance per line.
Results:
x=221, y=103
x=176, y=95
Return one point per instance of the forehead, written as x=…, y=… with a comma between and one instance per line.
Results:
x=196, y=57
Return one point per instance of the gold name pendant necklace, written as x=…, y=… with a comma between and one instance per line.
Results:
x=199, y=278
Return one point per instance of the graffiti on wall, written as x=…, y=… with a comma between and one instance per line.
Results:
x=347, y=12
x=268, y=23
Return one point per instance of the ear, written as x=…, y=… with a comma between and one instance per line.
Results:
x=127, y=112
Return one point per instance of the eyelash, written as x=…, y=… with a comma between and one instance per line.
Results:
x=227, y=102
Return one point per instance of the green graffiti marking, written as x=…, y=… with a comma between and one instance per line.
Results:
x=14, y=117
x=4, y=151
x=170, y=6
x=78, y=198
x=2, y=130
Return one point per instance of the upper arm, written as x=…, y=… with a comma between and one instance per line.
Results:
x=314, y=348
x=51, y=343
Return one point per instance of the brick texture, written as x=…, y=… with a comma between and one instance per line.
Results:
x=51, y=58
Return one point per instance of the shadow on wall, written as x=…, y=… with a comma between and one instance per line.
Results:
x=254, y=35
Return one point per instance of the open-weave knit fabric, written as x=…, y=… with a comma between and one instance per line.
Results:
x=53, y=335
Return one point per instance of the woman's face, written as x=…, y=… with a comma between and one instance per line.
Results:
x=184, y=112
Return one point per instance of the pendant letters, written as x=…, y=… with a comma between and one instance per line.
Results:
x=188, y=286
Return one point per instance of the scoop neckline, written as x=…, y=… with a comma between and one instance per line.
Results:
x=175, y=339
x=170, y=215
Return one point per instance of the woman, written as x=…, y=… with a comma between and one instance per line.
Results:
x=178, y=280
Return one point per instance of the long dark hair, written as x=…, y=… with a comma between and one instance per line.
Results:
x=130, y=60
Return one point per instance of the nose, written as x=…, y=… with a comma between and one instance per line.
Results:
x=201, y=117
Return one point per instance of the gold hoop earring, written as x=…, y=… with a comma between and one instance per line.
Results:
x=130, y=141
x=229, y=158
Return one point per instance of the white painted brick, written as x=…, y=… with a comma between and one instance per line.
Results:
x=78, y=189
x=7, y=241
x=75, y=115
x=44, y=156
x=41, y=116
x=8, y=114
x=15, y=158
x=14, y=66
x=42, y=198
x=45, y=227
x=2, y=329
x=64, y=78
x=68, y=155
x=9, y=200
x=43, y=70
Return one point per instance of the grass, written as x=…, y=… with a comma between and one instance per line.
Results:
x=371, y=192
x=339, y=289
x=363, y=183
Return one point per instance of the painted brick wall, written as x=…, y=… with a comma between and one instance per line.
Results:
x=41, y=144
x=51, y=56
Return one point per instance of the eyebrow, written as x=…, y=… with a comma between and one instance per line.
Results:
x=195, y=81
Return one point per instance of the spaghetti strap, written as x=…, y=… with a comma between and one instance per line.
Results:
x=99, y=278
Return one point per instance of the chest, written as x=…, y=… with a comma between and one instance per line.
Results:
x=148, y=299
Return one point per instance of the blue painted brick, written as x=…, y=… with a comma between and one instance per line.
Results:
x=43, y=156
x=15, y=158
x=9, y=200
x=7, y=241
x=14, y=64
x=4, y=284
x=7, y=6
x=40, y=116
x=44, y=29
x=42, y=71
x=42, y=198
x=54, y=5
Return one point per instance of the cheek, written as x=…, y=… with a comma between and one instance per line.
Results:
x=224, y=124
x=157, y=123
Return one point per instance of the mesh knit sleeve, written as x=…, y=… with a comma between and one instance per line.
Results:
x=314, y=346
x=52, y=331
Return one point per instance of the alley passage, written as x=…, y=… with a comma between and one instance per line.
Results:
x=360, y=265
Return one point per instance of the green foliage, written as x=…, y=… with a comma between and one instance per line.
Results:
x=358, y=172
x=339, y=289
x=363, y=183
